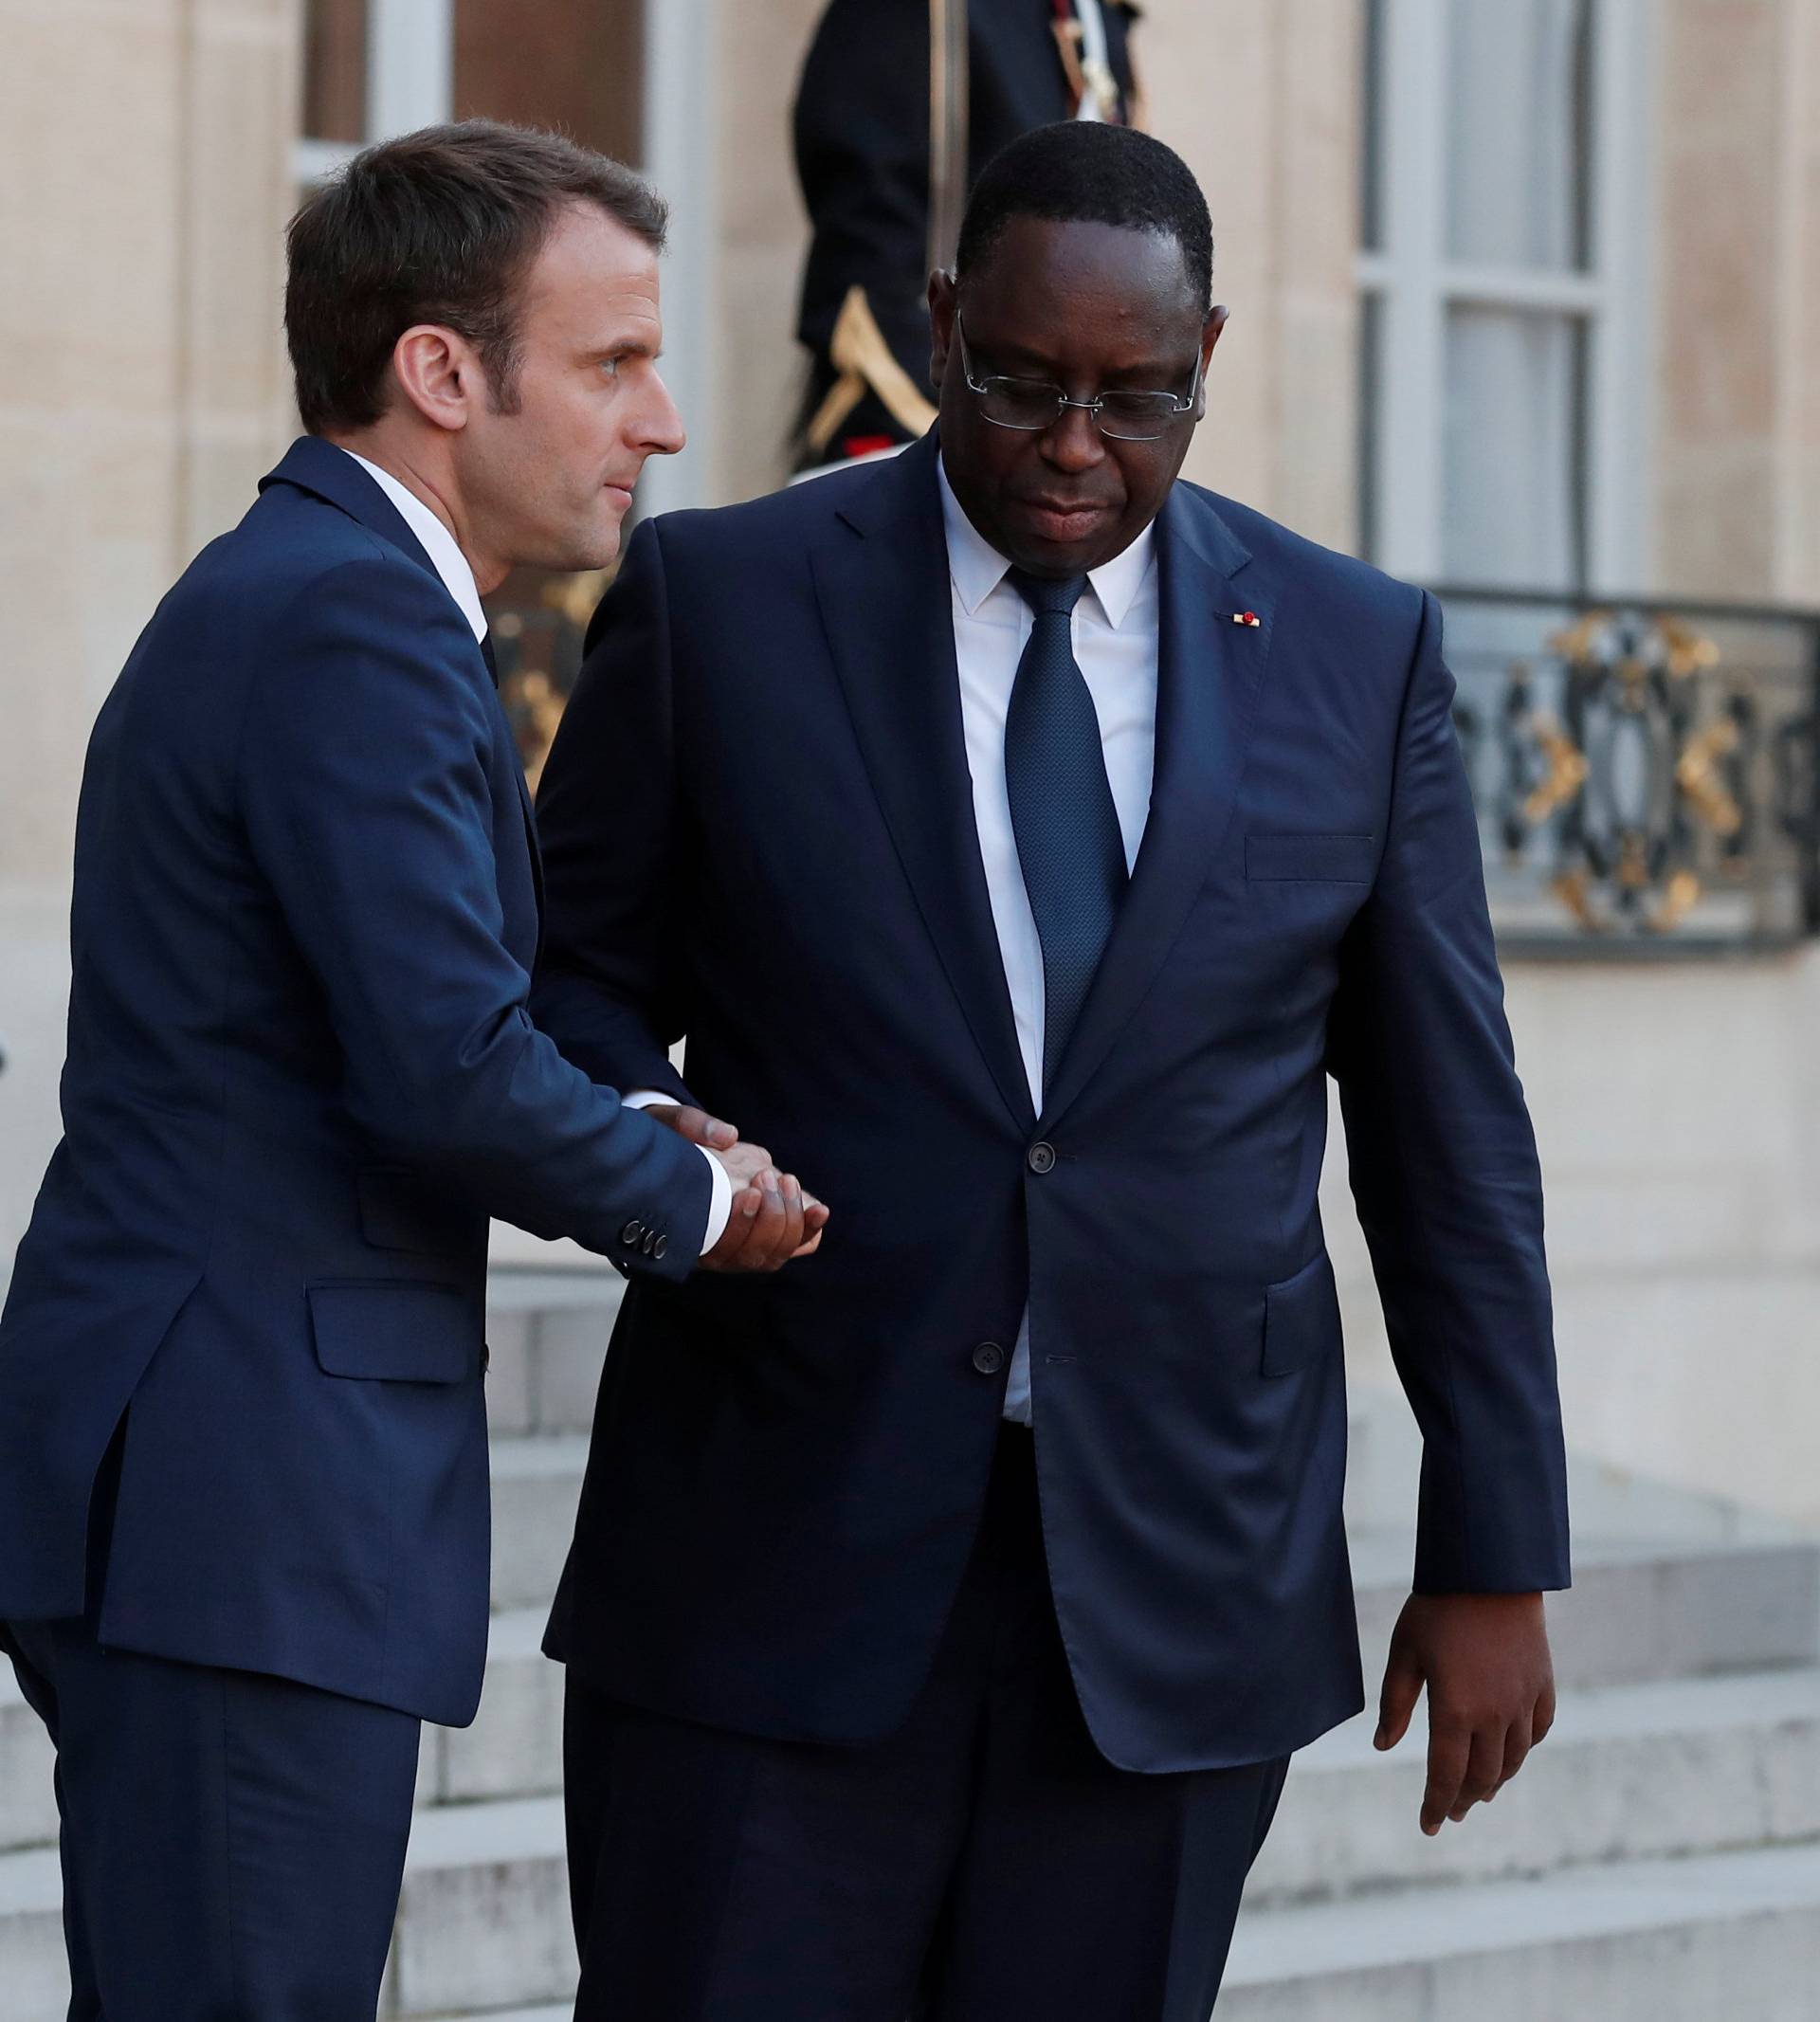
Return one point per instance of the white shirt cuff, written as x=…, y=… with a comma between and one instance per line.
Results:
x=720, y=1206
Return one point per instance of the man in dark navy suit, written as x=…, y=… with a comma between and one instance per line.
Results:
x=864, y=148
x=242, y=1445
x=941, y=1613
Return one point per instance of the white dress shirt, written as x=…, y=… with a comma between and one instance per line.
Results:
x=1117, y=629
x=458, y=579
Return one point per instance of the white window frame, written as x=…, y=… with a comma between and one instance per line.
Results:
x=1417, y=284
x=682, y=121
x=411, y=82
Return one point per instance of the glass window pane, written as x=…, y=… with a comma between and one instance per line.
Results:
x=335, y=70
x=1518, y=118
x=1513, y=512
x=574, y=65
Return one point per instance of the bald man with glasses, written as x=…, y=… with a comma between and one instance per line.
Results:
x=942, y=1614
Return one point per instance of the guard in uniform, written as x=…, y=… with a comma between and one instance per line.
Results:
x=863, y=151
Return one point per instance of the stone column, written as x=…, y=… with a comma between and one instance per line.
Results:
x=761, y=370
x=144, y=182
x=1262, y=99
x=1739, y=300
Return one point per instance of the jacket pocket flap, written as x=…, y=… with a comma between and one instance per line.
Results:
x=1337, y=859
x=1300, y=1318
x=402, y=1331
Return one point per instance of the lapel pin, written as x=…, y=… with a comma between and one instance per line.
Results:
x=1246, y=617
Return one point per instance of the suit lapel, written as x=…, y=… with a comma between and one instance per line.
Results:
x=1210, y=672
x=882, y=578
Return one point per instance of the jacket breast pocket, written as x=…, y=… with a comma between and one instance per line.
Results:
x=396, y=1330
x=1311, y=859
x=1301, y=1319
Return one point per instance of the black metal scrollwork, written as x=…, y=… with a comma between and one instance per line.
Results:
x=1644, y=778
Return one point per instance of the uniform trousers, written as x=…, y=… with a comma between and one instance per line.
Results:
x=985, y=1863
x=232, y=1845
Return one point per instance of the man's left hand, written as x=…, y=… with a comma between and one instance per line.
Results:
x=1490, y=1680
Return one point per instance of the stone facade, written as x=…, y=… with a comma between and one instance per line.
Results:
x=144, y=184
x=1739, y=305
x=146, y=150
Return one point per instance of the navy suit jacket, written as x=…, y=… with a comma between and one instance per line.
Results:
x=301, y=1077
x=758, y=830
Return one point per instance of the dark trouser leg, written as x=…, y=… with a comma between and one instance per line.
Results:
x=84, y=1999
x=233, y=1843
x=720, y=1878
x=1084, y=1893
x=986, y=1854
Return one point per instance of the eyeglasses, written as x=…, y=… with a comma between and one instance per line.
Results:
x=1032, y=405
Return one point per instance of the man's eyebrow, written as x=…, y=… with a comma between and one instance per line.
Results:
x=1150, y=371
x=630, y=347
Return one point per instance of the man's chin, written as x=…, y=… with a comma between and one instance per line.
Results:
x=581, y=556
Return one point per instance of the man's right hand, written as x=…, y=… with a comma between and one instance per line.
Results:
x=773, y=1221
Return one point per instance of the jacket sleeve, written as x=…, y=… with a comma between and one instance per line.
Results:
x=1445, y=1174
x=611, y=986
x=364, y=787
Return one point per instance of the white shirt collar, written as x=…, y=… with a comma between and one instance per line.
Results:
x=436, y=541
x=977, y=566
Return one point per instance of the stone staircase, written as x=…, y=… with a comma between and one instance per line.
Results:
x=1659, y=1858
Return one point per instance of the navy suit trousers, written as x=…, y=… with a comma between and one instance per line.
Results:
x=985, y=1863
x=232, y=1844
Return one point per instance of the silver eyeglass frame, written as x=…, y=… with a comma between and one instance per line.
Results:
x=1184, y=403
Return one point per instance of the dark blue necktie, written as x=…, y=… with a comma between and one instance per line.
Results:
x=1063, y=816
x=488, y=654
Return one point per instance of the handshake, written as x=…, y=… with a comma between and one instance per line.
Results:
x=774, y=1218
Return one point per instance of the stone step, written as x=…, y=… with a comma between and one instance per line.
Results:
x=514, y=1749
x=536, y=1485
x=1634, y=1618
x=34, y=1978
x=1733, y=1935
x=484, y=1929
x=1688, y=1767
x=547, y=1334
x=557, y=2012
x=27, y=1802
x=484, y=1918
x=1639, y=1611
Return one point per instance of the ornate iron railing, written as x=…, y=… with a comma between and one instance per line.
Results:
x=1646, y=772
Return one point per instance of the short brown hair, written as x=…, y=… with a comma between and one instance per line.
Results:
x=437, y=227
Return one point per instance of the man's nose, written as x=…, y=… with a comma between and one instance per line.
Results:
x=1074, y=443
x=663, y=433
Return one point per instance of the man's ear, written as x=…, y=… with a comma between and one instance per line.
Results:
x=438, y=373
x=942, y=300
x=1211, y=331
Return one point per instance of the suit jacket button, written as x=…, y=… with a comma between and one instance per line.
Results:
x=1042, y=1158
x=658, y=1248
x=650, y=1243
x=988, y=1358
x=631, y=1232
